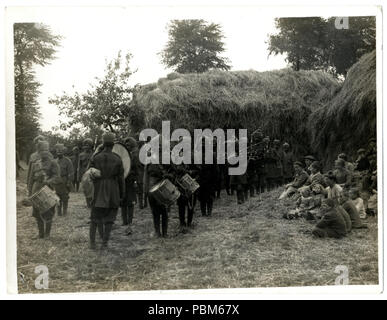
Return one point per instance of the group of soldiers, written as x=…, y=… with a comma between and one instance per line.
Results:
x=338, y=200
x=269, y=166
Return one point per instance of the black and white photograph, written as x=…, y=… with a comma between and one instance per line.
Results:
x=159, y=148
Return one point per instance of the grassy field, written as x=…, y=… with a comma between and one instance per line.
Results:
x=240, y=246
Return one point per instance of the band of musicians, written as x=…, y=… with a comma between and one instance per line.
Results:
x=115, y=184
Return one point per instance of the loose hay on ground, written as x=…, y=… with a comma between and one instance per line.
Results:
x=240, y=246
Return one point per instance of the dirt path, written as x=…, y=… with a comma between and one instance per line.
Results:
x=240, y=246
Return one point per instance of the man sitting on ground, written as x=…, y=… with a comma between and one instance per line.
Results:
x=332, y=224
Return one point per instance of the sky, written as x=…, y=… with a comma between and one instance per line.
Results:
x=92, y=35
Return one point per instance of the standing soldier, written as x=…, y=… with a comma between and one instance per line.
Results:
x=141, y=182
x=287, y=163
x=75, y=161
x=84, y=160
x=154, y=174
x=252, y=175
x=109, y=190
x=63, y=187
x=270, y=164
x=186, y=201
x=278, y=158
x=257, y=154
x=130, y=199
x=208, y=175
x=33, y=158
x=44, y=171
x=239, y=182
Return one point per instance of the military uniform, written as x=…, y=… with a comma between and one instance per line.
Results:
x=331, y=225
x=44, y=172
x=207, y=179
x=287, y=165
x=156, y=173
x=63, y=187
x=130, y=198
x=186, y=201
x=75, y=161
x=109, y=189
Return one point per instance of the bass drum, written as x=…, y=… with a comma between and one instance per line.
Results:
x=121, y=150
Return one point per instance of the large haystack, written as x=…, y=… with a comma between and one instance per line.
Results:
x=279, y=102
x=349, y=120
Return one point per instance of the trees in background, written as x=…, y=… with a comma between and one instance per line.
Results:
x=105, y=106
x=316, y=43
x=34, y=44
x=194, y=46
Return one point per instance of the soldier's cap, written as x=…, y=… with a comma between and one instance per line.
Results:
x=276, y=141
x=361, y=150
x=108, y=138
x=330, y=175
x=88, y=142
x=39, y=138
x=75, y=149
x=316, y=165
x=131, y=142
x=298, y=163
x=309, y=157
x=340, y=162
x=286, y=144
x=43, y=146
x=59, y=147
x=342, y=156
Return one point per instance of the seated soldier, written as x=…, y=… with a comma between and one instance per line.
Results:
x=332, y=224
x=348, y=165
x=349, y=206
x=304, y=204
x=343, y=176
x=362, y=163
x=315, y=174
x=333, y=190
x=300, y=177
x=308, y=160
x=354, y=195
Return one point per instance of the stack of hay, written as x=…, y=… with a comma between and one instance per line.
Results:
x=279, y=102
x=347, y=122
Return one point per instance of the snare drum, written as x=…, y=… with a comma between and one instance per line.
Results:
x=188, y=183
x=44, y=199
x=165, y=192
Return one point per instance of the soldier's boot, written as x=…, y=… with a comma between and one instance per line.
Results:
x=130, y=214
x=60, y=208
x=93, y=232
x=100, y=230
x=124, y=214
x=190, y=217
x=141, y=200
x=209, y=208
x=156, y=223
x=65, y=206
x=164, y=227
x=106, y=234
x=40, y=228
x=145, y=201
x=47, y=230
x=203, y=208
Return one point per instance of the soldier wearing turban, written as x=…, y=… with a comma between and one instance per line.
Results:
x=44, y=172
x=64, y=185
